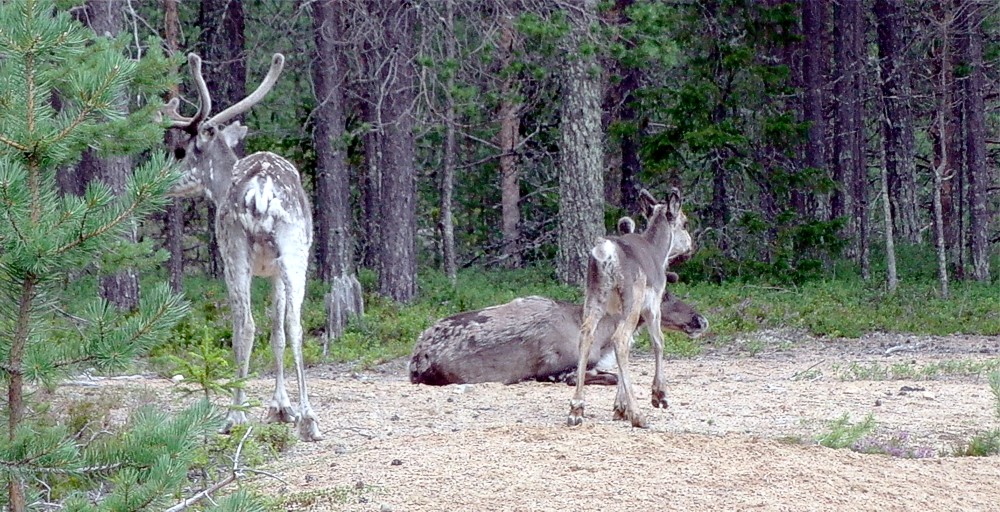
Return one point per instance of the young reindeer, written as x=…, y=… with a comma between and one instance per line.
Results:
x=264, y=226
x=529, y=338
x=626, y=276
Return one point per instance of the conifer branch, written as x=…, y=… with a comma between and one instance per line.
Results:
x=235, y=475
x=108, y=226
x=14, y=144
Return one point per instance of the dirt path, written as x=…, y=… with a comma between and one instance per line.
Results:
x=739, y=435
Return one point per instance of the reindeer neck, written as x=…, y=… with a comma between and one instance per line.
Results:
x=218, y=175
x=659, y=236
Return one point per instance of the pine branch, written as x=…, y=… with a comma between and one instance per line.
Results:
x=108, y=226
x=14, y=144
x=235, y=475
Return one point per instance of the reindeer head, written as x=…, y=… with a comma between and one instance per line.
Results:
x=667, y=219
x=205, y=144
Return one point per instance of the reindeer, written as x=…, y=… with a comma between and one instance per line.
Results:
x=529, y=338
x=626, y=277
x=264, y=226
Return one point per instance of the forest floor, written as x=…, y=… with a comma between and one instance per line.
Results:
x=740, y=434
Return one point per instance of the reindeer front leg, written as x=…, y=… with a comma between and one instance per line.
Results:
x=659, y=393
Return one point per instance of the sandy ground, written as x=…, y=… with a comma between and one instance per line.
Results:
x=740, y=435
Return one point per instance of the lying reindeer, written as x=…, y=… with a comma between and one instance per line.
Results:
x=528, y=338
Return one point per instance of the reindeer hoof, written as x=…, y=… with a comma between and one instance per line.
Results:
x=234, y=418
x=309, y=430
x=575, y=413
x=280, y=414
x=659, y=399
x=636, y=419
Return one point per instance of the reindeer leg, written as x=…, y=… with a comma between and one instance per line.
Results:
x=237, y=273
x=624, y=408
x=308, y=424
x=577, y=404
x=280, y=410
x=659, y=394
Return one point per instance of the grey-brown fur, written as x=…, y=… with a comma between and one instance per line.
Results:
x=264, y=227
x=530, y=338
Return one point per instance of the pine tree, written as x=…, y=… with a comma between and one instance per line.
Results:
x=60, y=90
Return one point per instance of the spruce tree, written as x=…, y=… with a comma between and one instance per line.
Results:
x=60, y=90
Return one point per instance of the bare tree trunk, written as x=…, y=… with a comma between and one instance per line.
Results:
x=846, y=96
x=892, y=280
x=450, y=148
x=621, y=104
x=335, y=245
x=581, y=178
x=979, y=179
x=897, y=120
x=174, y=218
x=510, y=184
x=814, y=83
x=944, y=107
x=397, y=241
x=106, y=18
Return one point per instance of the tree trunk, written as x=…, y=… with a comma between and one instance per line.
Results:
x=979, y=178
x=943, y=140
x=897, y=120
x=510, y=185
x=846, y=97
x=891, y=278
x=397, y=243
x=446, y=220
x=581, y=178
x=814, y=83
x=334, y=243
x=622, y=106
x=174, y=218
x=106, y=18
x=222, y=50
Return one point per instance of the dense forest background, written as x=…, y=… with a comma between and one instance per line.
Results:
x=461, y=133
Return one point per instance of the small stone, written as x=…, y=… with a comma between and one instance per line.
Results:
x=878, y=402
x=396, y=462
x=177, y=378
x=395, y=417
x=385, y=508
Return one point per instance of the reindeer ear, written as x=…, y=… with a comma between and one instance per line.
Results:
x=647, y=201
x=672, y=277
x=233, y=134
x=674, y=202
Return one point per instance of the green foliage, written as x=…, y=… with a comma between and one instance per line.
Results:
x=981, y=445
x=844, y=434
x=265, y=442
x=54, y=246
x=995, y=389
x=844, y=307
x=208, y=367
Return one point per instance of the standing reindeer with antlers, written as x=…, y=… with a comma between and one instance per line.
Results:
x=264, y=226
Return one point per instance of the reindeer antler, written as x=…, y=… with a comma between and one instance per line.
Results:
x=189, y=124
x=277, y=63
x=169, y=110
